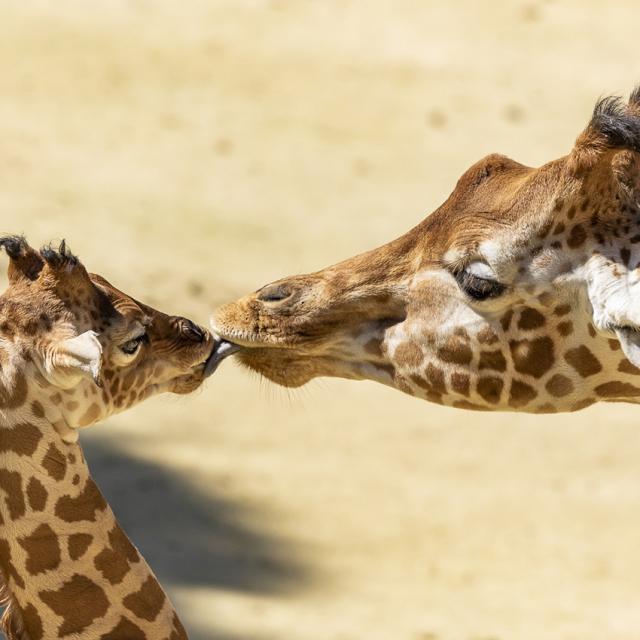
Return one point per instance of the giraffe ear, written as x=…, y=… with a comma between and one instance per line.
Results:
x=71, y=360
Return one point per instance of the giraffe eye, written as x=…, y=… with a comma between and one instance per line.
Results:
x=131, y=346
x=478, y=287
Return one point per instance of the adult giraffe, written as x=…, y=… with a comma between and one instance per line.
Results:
x=521, y=292
x=73, y=350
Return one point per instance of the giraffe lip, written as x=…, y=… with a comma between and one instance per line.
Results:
x=221, y=350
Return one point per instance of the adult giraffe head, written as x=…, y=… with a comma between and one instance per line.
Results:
x=521, y=292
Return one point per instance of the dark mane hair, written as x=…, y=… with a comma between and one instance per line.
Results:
x=618, y=123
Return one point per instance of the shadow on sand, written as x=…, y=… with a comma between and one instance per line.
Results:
x=191, y=538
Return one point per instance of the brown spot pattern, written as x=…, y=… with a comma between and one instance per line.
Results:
x=36, y=495
x=626, y=367
x=455, y=351
x=532, y=357
x=577, y=236
x=124, y=630
x=90, y=415
x=8, y=568
x=42, y=549
x=78, y=602
x=178, y=632
x=11, y=484
x=147, y=602
x=565, y=328
x=114, y=561
x=487, y=336
x=435, y=379
x=617, y=389
x=32, y=622
x=559, y=386
x=408, y=354
x=77, y=544
x=562, y=310
x=505, y=321
x=420, y=381
x=530, y=319
x=521, y=394
x=55, y=463
x=14, y=398
x=490, y=389
x=460, y=383
x=583, y=361
x=21, y=439
x=37, y=409
x=492, y=360
x=83, y=507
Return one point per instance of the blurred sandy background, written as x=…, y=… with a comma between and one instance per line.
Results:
x=193, y=151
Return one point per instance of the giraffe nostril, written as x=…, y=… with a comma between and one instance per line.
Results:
x=274, y=293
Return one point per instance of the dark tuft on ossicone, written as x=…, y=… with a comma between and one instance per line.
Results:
x=618, y=122
x=15, y=246
x=60, y=257
x=24, y=259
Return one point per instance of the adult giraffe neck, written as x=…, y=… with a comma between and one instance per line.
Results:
x=69, y=568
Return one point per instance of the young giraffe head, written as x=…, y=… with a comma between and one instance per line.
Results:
x=90, y=349
x=521, y=292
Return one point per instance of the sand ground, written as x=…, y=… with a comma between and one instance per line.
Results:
x=193, y=151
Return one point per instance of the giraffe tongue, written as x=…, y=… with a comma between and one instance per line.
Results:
x=221, y=350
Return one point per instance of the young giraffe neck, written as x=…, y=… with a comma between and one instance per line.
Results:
x=69, y=568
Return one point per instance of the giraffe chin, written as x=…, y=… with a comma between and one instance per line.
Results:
x=189, y=382
x=291, y=368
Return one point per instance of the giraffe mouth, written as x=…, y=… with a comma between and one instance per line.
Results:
x=222, y=349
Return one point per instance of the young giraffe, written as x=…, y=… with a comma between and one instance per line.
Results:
x=521, y=292
x=73, y=350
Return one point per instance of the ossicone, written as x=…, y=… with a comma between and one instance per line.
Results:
x=25, y=262
x=614, y=126
x=51, y=266
x=60, y=257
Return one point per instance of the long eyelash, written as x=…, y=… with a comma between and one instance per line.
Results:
x=478, y=288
